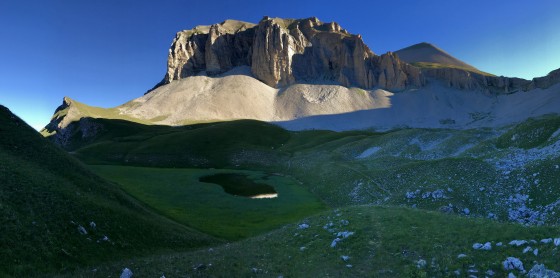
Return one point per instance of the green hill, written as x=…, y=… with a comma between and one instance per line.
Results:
x=57, y=215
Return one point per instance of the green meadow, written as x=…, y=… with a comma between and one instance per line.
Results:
x=179, y=195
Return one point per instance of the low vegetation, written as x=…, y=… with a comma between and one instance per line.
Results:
x=379, y=242
x=402, y=203
x=180, y=195
x=57, y=215
x=426, y=65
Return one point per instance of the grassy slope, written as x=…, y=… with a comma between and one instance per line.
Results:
x=426, y=65
x=387, y=242
x=77, y=110
x=178, y=194
x=468, y=166
x=45, y=197
x=204, y=145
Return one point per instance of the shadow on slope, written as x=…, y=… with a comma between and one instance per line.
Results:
x=201, y=145
x=56, y=215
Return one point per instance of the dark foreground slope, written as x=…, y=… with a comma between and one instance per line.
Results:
x=379, y=242
x=56, y=215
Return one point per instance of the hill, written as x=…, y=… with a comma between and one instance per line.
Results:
x=426, y=54
x=57, y=215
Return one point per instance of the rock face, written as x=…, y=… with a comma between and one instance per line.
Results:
x=544, y=82
x=213, y=49
x=281, y=52
x=467, y=80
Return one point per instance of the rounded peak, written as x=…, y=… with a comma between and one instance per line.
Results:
x=425, y=52
x=421, y=45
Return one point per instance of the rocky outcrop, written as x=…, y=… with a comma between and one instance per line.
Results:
x=214, y=49
x=390, y=72
x=467, y=80
x=281, y=52
x=544, y=82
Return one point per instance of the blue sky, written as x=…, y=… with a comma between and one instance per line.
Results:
x=105, y=53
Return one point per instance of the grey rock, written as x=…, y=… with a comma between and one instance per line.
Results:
x=539, y=271
x=285, y=51
x=126, y=273
x=544, y=82
x=518, y=242
x=512, y=263
x=421, y=263
x=467, y=80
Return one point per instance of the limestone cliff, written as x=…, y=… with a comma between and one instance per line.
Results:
x=544, y=82
x=468, y=80
x=281, y=52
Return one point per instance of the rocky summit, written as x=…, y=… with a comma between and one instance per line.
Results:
x=282, y=52
x=305, y=74
x=286, y=51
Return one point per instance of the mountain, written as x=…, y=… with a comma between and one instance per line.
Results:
x=303, y=73
x=281, y=52
x=424, y=54
x=57, y=215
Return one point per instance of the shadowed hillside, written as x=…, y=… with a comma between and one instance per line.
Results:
x=56, y=215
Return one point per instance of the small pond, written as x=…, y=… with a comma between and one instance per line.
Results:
x=241, y=185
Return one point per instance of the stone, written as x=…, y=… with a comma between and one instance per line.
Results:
x=82, y=230
x=518, y=242
x=334, y=242
x=421, y=263
x=480, y=246
x=126, y=273
x=539, y=270
x=512, y=263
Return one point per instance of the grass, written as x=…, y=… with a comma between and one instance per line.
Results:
x=46, y=196
x=201, y=145
x=387, y=242
x=480, y=170
x=77, y=110
x=179, y=195
x=326, y=162
x=530, y=134
x=427, y=65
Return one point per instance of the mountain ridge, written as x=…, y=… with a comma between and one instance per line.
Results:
x=281, y=52
x=281, y=70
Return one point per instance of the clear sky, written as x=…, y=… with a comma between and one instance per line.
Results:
x=107, y=52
